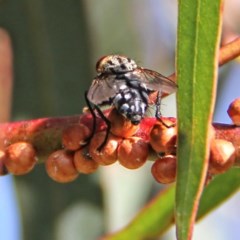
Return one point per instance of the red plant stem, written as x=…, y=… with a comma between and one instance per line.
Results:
x=45, y=133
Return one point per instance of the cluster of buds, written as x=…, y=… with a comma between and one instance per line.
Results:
x=126, y=144
x=163, y=137
x=221, y=158
x=130, y=145
x=19, y=158
x=78, y=158
x=223, y=152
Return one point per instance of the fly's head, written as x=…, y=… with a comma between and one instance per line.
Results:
x=115, y=64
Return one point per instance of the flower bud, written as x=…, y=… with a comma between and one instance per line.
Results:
x=84, y=162
x=21, y=158
x=121, y=126
x=74, y=136
x=108, y=154
x=133, y=152
x=222, y=156
x=234, y=111
x=60, y=167
x=164, y=169
x=162, y=138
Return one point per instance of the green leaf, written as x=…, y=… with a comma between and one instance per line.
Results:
x=219, y=190
x=153, y=220
x=197, y=45
x=158, y=215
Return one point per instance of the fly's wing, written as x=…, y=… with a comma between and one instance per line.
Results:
x=155, y=81
x=102, y=89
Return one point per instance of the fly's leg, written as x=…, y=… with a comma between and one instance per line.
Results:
x=158, y=112
x=108, y=123
x=158, y=104
x=91, y=109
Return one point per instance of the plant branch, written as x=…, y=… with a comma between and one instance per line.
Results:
x=227, y=53
x=45, y=134
x=6, y=75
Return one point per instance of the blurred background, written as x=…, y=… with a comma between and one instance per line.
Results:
x=55, y=45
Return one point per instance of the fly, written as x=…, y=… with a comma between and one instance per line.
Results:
x=126, y=86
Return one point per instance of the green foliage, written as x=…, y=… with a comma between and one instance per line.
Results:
x=197, y=61
x=158, y=215
x=153, y=220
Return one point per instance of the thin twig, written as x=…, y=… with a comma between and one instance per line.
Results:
x=227, y=53
x=6, y=75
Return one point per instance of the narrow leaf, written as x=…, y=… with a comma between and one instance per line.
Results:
x=156, y=217
x=215, y=194
x=198, y=42
x=153, y=220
